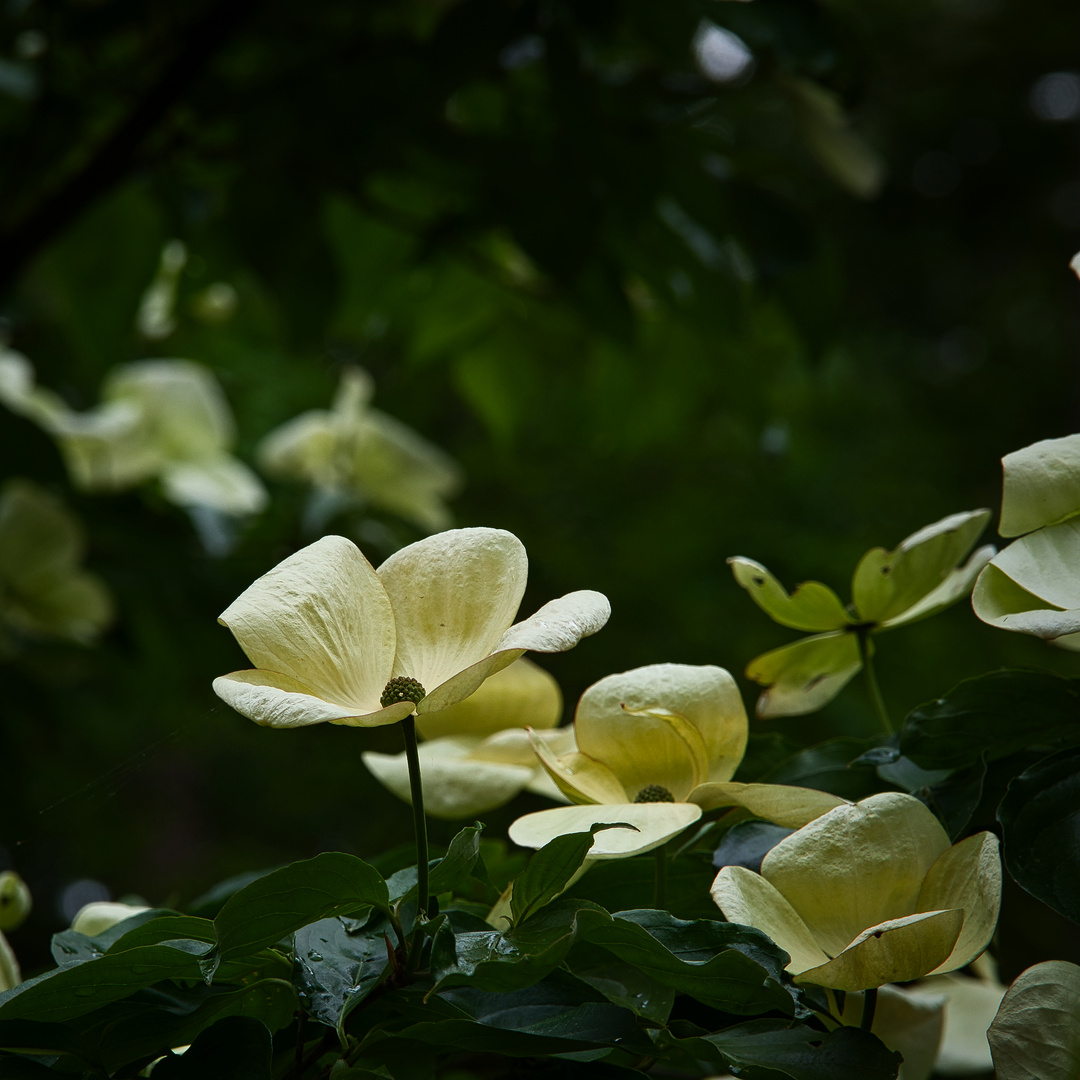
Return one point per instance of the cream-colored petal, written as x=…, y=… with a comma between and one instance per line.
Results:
x=970, y=1006
x=581, y=779
x=521, y=695
x=221, y=483
x=748, y=899
x=107, y=448
x=399, y=470
x=888, y=583
x=302, y=448
x=806, y=675
x=20, y=394
x=461, y=686
x=643, y=748
x=956, y=586
x=276, y=700
x=181, y=402
x=1046, y=563
x=1001, y=602
x=513, y=746
x=453, y=595
x=322, y=618
x=456, y=784
x=856, y=866
x=791, y=807
x=895, y=950
x=812, y=606
x=655, y=824
x=966, y=876
x=560, y=624
x=1041, y=485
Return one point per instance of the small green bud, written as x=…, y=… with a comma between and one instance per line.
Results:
x=15, y=900
x=402, y=688
x=654, y=793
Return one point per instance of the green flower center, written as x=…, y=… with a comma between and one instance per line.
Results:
x=654, y=793
x=402, y=688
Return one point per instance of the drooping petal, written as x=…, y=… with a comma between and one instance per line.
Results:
x=453, y=595
x=956, y=586
x=1001, y=602
x=276, y=700
x=747, y=898
x=560, y=624
x=1041, y=485
x=887, y=583
x=895, y=950
x=783, y=804
x=301, y=448
x=655, y=823
x=181, y=403
x=806, y=675
x=676, y=725
x=323, y=619
x=581, y=779
x=456, y=784
x=107, y=448
x=857, y=866
x=966, y=876
x=221, y=483
x=812, y=606
x=1046, y=563
x=521, y=695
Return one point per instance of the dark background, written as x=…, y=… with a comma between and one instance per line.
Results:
x=659, y=320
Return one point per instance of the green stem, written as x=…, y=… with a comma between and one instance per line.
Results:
x=869, y=1007
x=660, y=879
x=863, y=634
x=408, y=729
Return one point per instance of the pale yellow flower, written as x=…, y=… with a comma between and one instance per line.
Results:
x=334, y=640
x=656, y=747
x=353, y=449
x=870, y=893
x=476, y=755
x=158, y=419
x=43, y=589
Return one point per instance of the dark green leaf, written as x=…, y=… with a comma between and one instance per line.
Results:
x=954, y=800
x=830, y=766
x=803, y=1053
x=284, y=900
x=236, y=1048
x=69, y=945
x=550, y=869
x=734, y=968
x=522, y=955
x=336, y=966
x=79, y=988
x=1040, y=816
x=625, y=985
x=444, y=875
x=995, y=715
x=747, y=843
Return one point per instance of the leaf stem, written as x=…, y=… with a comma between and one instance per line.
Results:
x=869, y=1007
x=863, y=635
x=416, y=790
x=660, y=879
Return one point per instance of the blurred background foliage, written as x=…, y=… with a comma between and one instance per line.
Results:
x=671, y=282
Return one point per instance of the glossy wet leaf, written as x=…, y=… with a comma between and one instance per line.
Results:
x=550, y=870
x=282, y=901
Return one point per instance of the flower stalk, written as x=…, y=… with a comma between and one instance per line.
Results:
x=408, y=730
x=863, y=634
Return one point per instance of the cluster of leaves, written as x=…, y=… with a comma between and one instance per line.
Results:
x=321, y=968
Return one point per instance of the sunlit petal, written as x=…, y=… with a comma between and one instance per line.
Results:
x=560, y=624
x=857, y=866
x=1041, y=485
x=747, y=898
x=895, y=950
x=655, y=823
x=782, y=804
x=581, y=779
x=453, y=596
x=323, y=619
